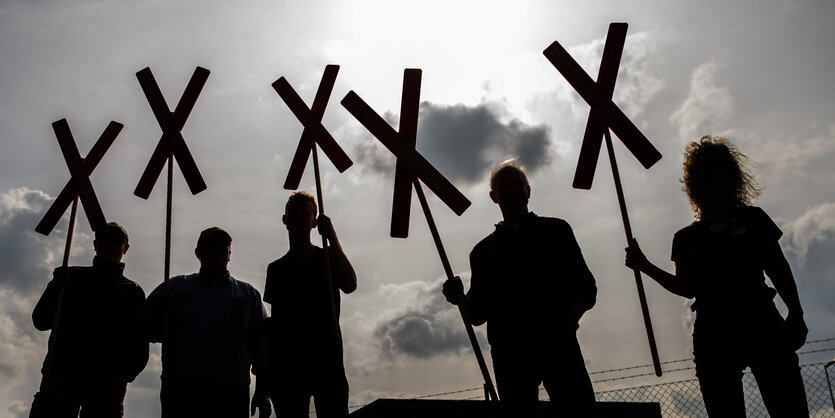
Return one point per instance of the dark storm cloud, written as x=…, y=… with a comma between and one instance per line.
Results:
x=27, y=257
x=465, y=142
x=423, y=331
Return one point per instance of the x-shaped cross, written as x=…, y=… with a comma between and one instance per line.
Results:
x=605, y=115
x=80, y=170
x=313, y=131
x=410, y=169
x=172, y=123
x=599, y=97
x=410, y=163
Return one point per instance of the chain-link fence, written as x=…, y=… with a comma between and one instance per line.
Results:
x=682, y=399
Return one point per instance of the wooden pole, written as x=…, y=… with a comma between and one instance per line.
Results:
x=53, y=335
x=168, y=213
x=628, y=229
x=488, y=381
x=169, y=197
x=328, y=273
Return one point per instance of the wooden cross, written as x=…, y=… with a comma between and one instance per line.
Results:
x=79, y=186
x=605, y=115
x=315, y=133
x=170, y=145
x=410, y=169
x=420, y=167
x=171, y=142
x=80, y=169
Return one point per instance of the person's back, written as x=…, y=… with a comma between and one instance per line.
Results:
x=531, y=285
x=533, y=274
x=98, y=348
x=203, y=321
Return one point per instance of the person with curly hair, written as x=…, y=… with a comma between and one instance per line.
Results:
x=719, y=260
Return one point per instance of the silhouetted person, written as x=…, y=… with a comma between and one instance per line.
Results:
x=207, y=357
x=531, y=285
x=98, y=347
x=720, y=260
x=305, y=341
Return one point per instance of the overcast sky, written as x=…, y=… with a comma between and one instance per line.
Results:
x=758, y=72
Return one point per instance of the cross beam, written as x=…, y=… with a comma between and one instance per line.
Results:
x=80, y=170
x=419, y=166
x=314, y=131
x=171, y=142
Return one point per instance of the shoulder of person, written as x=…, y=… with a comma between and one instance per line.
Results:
x=131, y=285
x=80, y=270
x=552, y=222
x=180, y=281
x=484, y=244
x=687, y=229
x=754, y=212
x=245, y=286
x=278, y=263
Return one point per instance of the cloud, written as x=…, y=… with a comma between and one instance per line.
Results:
x=816, y=225
x=427, y=328
x=636, y=85
x=806, y=154
x=17, y=409
x=809, y=243
x=28, y=257
x=465, y=142
x=21, y=346
x=706, y=106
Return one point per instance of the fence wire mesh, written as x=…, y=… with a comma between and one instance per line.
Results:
x=683, y=399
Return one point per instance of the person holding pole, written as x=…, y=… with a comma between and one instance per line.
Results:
x=98, y=347
x=531, y=285
x=720, y=260
x=305, y=341
x=208, y=353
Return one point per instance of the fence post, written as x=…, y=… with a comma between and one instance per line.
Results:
x=828, y=384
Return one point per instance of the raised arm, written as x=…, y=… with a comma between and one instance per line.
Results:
x=341, y=268
x=680, y=283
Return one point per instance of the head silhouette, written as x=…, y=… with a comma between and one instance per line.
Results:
x=509, y=187
x=717, y=176
x=214, y=249
x=300, y=212
x=111, y=242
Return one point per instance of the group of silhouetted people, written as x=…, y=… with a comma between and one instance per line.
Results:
x=530, y=284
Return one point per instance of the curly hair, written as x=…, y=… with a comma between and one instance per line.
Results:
x=702, y=158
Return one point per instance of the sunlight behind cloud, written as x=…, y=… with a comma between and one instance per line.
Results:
x=461, y=40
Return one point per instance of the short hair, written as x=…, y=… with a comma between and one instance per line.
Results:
x=510, y=163
x=711, y=153
x=301, y=196
x=214, y=235
x=112, y=231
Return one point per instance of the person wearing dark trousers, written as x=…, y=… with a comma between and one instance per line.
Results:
x=98, y=347
x=207, y=351
x=531, y=285
x=305, y=341
x=720, y=260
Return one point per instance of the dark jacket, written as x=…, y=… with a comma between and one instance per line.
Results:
x=98, y=332
x=524, y=281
